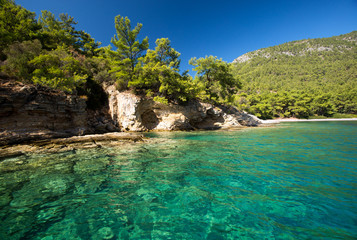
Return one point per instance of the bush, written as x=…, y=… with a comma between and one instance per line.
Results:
x=58, y=69
x=18, y=56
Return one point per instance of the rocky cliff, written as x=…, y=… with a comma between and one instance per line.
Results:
x=134, y=113
x=29, y=112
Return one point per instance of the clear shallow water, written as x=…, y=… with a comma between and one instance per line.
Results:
x=295, y=181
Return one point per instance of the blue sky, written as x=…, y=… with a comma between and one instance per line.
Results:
x=225, y=28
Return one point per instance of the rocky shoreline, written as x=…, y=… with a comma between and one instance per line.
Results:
x=38, y=119
x=30, y=113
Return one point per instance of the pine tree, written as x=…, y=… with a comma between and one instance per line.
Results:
x=128, y=51
x=215, y=78
x=56, y=32
x=17, y=24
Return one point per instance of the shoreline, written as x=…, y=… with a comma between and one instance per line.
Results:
x=73, y=143
x=306, y=120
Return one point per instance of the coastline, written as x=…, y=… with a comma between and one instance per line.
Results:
x=55, y=145
x=270, y=121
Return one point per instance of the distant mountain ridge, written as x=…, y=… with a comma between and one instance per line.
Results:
x=300, y=78
x=343, y=43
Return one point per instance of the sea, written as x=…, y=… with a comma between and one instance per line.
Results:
x=286, y=181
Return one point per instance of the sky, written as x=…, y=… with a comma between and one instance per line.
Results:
x=223, y=28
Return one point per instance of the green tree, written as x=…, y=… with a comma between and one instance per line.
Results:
x=322, y=106
x=16, y=25
x=98, y=68
x=322, y=70
x=263, y=110
x=159, y=74
x=167, y=55
x=215, y=78
x=58, y=69
x=157, y=65
x=55, y=32
x=301, y=108
x=129, y=50
x=18, y=56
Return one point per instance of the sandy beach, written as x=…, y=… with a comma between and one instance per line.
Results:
x=306, y=120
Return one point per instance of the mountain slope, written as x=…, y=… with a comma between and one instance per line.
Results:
x=318, y=71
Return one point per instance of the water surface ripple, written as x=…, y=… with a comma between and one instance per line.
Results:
x=294, y=181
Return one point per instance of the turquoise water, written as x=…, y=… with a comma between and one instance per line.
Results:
x=293, y=181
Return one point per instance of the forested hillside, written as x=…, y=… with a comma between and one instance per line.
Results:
x=307, y=78
x=300, y=78
x=50, y=51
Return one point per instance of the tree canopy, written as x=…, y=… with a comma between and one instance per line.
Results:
x=128, y=52
x=300, y=79
x=55, y=32
x=297, y=79
x=215, y=79
x=17, y=24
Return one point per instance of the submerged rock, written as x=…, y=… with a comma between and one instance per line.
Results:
x=66, y=229
x=105, y=233
x=39, y=189
x=71, y=144
x=99, y=137
x=5, y=199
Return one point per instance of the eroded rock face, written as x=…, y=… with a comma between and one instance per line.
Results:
x=29, y=112
x=133, y=113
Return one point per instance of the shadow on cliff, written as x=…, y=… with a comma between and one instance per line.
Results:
x=149, y=119
x=97, y=98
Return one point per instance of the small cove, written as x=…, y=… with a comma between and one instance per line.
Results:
x=291, y=181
